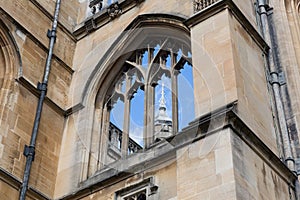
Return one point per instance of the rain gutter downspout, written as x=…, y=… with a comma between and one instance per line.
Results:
x=263, y=8
x=29, y=151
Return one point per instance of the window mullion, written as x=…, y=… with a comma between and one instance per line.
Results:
x=104, y=137
x=95, y=141
x=125, y=134
x=149, y=106
x=174, y=89
x=174, y=86
x=148, y=115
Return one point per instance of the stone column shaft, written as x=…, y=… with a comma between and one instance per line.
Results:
x=126, y=124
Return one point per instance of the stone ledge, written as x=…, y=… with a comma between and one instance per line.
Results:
x=164, y=151
x=102, y=18
x=33, y=89
x=15, y=183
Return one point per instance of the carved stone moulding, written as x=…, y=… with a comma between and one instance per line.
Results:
x=202, y=4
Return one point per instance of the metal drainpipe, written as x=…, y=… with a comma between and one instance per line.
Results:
x=29, y=151
x=263, y=12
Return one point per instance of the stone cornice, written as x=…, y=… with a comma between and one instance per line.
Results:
x=103, y=17
x=227, y=117
x=236, y=12
x=15, y=183
x=165, y=151
x=33, y=89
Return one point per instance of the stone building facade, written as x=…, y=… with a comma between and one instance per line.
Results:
x=230, y=70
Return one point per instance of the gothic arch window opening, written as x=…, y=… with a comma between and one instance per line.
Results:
x=133, y=99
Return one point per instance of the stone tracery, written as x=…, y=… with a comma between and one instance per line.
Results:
x=143, y=71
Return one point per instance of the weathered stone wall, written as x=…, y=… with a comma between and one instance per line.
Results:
x=252, y=87
x=164, y=176
x=213, y=68
x=255, y=177
x=228, y=66
x=68, y=15
x=33, y=60
x=23, y=56
x=218, y=166
x=8, y=192
x=35, y=22
x=248, y=9
x=205, y=169
x=223, y=166
x=17, y=119
x=286, y=18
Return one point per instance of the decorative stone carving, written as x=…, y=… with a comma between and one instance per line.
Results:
x=90, y=25
x=114, y=10
x=115, y=140
x=201, y=4
x=95, y=6
x=197, y=5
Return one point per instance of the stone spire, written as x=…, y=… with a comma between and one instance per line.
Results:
x=163, y=123
x=162, y=101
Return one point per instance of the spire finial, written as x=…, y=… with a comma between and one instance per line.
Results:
x=162, y=101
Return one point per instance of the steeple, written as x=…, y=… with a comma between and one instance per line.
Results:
x=163, y=123
x=162, y=101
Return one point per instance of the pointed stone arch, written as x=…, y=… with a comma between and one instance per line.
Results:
x=126, y=43
x=111, y=65
x=10, y=64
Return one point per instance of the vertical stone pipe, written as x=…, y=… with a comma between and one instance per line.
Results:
x=274, y=80
x=29, y=151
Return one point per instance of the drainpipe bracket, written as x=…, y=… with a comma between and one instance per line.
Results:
x=290, y=159
x=263, y=7
x=51, y=34
x=290, y=162
x=42, y=86
x=29, y=151
x=277, y=78
x=268, y=10
x=273, y=78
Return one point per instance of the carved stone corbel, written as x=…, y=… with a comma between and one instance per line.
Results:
x=114, y=10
